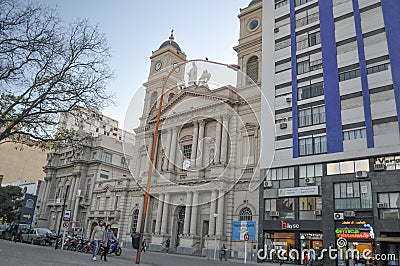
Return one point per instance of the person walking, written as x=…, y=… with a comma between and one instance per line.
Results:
x=167, y=243
x=97, y=237
x=223, y=252
x=144, y=245
x=108, y=237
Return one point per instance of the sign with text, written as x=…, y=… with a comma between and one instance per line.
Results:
x=240, y=228
x=67, y=216
x=298, y=191
x=289, y=226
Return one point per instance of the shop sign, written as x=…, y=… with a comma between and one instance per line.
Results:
x=279, y=243
x=289, y=226
x=352, y=233
x=354, y=222
x=298, y=191
x=240, y=228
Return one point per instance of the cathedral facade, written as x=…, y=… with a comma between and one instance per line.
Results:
x=205, y=172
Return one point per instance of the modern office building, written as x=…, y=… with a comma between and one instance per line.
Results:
x=331, y=84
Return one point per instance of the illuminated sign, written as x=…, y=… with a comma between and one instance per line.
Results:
x=288, y=226
x=354, y=222
x=352, y=233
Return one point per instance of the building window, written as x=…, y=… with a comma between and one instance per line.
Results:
x=353, y=195
x=312, y=116
x=389, y=205
x=281, y=3
x=347, y=167
x=307, y=40
x=107, y=157
x=252, y=70
x=310, y=91
x=378, y=68
x=310, y=174
x=94, y=155
x=282, y=208
x=282, y=44
x=310, y=203
x=104, y=174
x=301, y=2
x=245, y=214
x=187, y=151
x=307, y=16
x=312, y=145
x=314, y=38
x=135, y=218
x=303, y=67
x=355, y=73
x=354, y=134
x=88, y=187
x=124, y=162
x=66, y=192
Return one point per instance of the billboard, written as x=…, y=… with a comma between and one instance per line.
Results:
x=239, y=228
x=28, y=208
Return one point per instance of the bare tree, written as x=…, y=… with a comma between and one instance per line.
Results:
x=47, y=68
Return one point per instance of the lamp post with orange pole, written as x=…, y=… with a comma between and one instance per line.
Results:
x=154, y=143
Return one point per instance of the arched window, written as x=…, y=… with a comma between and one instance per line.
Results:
x=245, y=214
x=153, y=99
x=135, y=218
x=252, y=70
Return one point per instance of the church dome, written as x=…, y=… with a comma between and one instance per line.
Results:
x=254, y=2
x=171, y=41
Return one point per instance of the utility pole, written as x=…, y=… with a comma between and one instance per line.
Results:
x=61, y=217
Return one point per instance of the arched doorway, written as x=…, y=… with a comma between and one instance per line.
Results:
x=180, y=220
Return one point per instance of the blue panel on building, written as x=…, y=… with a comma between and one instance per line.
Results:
x=239, y=228
x=334, y=134
x=295, y=120
x=391, y=11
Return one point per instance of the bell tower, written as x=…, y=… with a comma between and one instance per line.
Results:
x=250, y=44
x=164, y=60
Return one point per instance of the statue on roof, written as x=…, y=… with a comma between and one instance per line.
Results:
x=192, y=74
x=204, y=78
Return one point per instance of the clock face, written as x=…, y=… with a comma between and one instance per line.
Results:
x=158, y=65
x=176, y=67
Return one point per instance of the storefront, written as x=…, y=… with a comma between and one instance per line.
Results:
x=292, y=235
x=355, y=243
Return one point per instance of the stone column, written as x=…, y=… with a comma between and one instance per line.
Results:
x=200, y=145
x=224, y=141
x=164, y=221
x=186, y=224
x=217, y=153
x=213, y=199
x=220, y=219
x=159, y=213
x=194, y=144
x=140, y=207
x=193, y=220
x=172, y=153
x=166, y=150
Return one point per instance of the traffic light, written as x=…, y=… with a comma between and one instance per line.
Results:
x=135, y=240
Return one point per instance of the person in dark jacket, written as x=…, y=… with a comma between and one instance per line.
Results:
x=108, y=237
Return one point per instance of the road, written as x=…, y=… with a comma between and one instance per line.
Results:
x=33, y=255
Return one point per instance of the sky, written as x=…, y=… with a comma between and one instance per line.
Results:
x=206, y=28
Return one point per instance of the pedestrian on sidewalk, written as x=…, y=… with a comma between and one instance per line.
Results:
x=108, y=237
x=144, y=245
x=167, y=243
x=97, y=237
x=223, y=252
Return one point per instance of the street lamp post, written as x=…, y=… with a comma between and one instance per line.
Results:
x=215, y=236
x=154, y=144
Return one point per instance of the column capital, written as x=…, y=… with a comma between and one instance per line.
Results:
x=201, y=122
x=195, y=123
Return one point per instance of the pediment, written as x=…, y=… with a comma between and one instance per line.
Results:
x=190, y=100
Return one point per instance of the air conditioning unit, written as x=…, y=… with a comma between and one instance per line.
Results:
x=310, y=180
x=283, y=125
x=288, y=99
x=382, y=205
x=276, y=30
x=274, y=213
x=349, y=214
x=318, y=212
x=338, y=216
x=379, y=167
x=361, y=174
x=267, y=184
